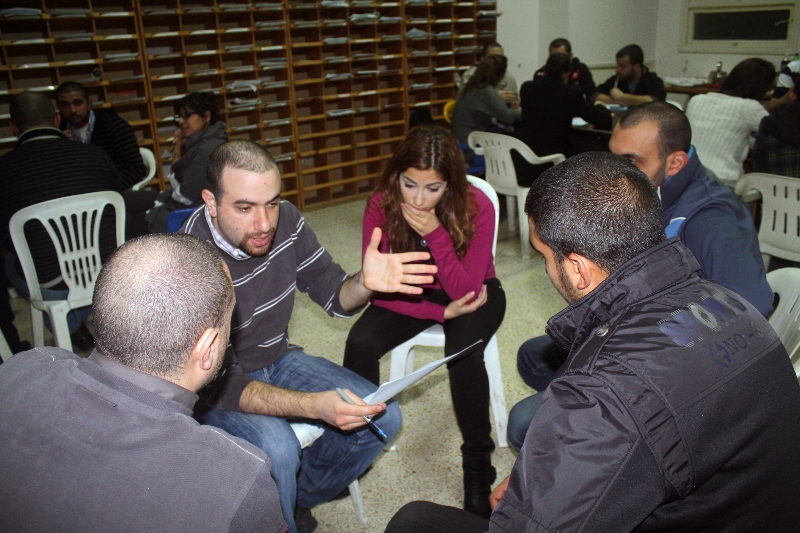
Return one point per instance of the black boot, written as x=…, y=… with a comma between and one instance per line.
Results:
x=479, y=474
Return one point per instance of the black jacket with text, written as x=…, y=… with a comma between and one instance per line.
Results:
x=676, y=410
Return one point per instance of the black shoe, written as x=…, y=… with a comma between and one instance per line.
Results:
x=304, y=521
x=82, y=340
x=478, y=479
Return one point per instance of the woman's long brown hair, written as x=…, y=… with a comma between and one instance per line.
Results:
x=424, y=148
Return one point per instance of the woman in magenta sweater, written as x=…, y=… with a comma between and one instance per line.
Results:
x=424, y=202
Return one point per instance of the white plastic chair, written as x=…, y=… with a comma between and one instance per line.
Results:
x=785, y=320
x=73, y=223
x=676, y=104
x=5, y=349
x=403, y=356
x=307, y=434
x=779, y=234
x=150, y=163
x=500, y=173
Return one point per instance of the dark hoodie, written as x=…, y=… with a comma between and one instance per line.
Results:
x=777, y=148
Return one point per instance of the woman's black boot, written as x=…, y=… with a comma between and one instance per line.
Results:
x=479, y=474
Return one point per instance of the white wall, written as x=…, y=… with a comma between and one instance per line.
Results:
x=595, y=29
x=672, y=63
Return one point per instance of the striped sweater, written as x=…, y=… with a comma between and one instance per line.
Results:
x=265, y=290
x=45, y=166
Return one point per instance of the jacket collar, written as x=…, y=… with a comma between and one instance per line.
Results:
x=662, y=266
x=672, y=189
x=44, y=132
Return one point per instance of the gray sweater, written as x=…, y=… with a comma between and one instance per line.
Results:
x=475, y=110
x=92, y=445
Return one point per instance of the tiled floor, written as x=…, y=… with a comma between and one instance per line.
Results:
x=427, y=462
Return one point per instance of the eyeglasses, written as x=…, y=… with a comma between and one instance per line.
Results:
x=185, y=115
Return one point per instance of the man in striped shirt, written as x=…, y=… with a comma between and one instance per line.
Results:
x=270, y=252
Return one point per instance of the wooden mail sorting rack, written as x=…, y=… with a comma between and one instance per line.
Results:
x=327, y=86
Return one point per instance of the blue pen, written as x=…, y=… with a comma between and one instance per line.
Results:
x=369, y=421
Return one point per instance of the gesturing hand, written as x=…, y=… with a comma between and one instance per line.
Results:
x=421, y=221
x=461, y=307
x=394, y=272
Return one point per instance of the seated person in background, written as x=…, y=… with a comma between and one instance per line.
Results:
x=784, y=84
x=724, y=123
x=43, y=166
x=777, y=149
x=271, y=251
x=424, y=202
x=579, y=74
x=101, y=127
x=506, y=87
x=200, y=130
x=108, y=443
x=633, y=84
x=478, y=102
x=707, y=217
x=548, y=104
x=655, y=426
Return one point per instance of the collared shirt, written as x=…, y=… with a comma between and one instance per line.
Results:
x=88, y=129
x=220, y=241
x=148, y=382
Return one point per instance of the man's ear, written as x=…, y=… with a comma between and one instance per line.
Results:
x=211, y=202
x=585, y=274
x=57, y=120
x=676, y=161
x=203, y=356
x=14, y=128
x=792, y=95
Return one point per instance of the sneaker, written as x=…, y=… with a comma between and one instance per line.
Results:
x=304, y=521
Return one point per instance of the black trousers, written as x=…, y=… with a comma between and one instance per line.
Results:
x=427, y=517
x=378, y=331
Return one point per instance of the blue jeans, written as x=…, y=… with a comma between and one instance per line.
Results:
x=321, y=471
x=75, y=318
x=538, y=360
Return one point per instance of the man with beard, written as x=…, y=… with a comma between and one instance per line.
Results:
x=101, y=127
x=677, y=408
x=707, y=218
x=271, y=251
x=107, y=443
x=633, y=84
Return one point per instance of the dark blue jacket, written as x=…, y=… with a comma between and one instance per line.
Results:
x=676, y=410
x=715, y=226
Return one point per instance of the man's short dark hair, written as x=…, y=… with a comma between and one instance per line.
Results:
x=154, y=298
x=493, y=44
x=634, y=52
x=245, y=155
x=71, y=87
x=557, y=65
x=597, y=205
x=31, y=109
x=558, y=43
x=674, y=130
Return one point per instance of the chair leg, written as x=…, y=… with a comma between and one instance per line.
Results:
x=491, y=357
x=58, y=319
x=512, y=219
x=358, y=503
x=524, y=229
x=37, y=327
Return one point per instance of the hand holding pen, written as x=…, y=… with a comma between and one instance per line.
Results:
x=367, y=419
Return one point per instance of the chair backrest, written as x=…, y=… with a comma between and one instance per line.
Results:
x=489, y=191
x=73, y=224
x=676, y=104
x=150, y=164
x=779, y=234
x=447, y=111
x=785, y=320
x=496, y=148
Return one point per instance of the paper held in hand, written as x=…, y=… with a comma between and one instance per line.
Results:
x=388, y=390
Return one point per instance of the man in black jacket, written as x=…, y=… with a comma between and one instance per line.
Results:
x=579, y=74
x=633, y=84
x=677, y=408
x=101, y=127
